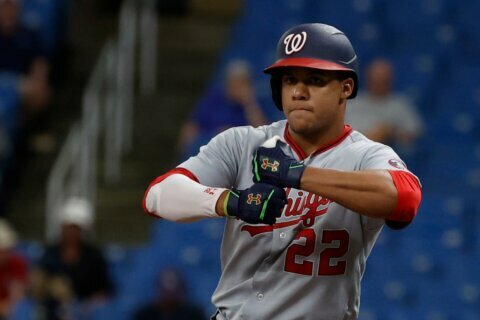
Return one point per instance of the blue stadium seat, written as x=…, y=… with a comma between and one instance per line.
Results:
x=446, y=176
x=202, y=284
x=30, y=250
x=464, y=98
x=164, y=231
x=9, y=120
x=109, y=310
x=9, y=102
x=370, y=312
x=452, y=295
x=423, y=25
x=46, y=17
x=120, y=260
x=265, y=20
x=469, y=314
x=361, y=27
x=440, y=297
x=417, y=66
x=24, y=310
x=196, y=244
x=126, y=304
x=140, y=277
x=194, y=249
x=466, y=20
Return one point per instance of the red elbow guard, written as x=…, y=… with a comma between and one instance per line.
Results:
x=409, y=195
x=159, y=179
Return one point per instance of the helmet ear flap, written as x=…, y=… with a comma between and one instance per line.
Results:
x=276, y=86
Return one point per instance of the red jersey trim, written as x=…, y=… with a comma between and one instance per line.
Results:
x=296, y=148
x=302, y=155
x=159, y=179
x=409, y=196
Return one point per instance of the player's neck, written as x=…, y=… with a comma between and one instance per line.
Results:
x=312, y=142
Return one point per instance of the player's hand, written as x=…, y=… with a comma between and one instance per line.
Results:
x=273, y=166
x=261, y=203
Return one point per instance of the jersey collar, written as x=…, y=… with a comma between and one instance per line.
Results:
x=302, y=155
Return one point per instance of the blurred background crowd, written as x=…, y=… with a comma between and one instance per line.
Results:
x=97, y=98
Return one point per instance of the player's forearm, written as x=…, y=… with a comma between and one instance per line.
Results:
x=178, y=198
x=371, y=193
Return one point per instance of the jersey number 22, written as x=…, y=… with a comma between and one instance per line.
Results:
x=325, y=268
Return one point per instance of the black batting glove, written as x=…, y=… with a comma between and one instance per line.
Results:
x=273, y=166
x=261, y=203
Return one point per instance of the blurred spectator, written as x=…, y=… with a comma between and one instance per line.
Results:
x=21, y=54
x=235, y=104
x=13, y=271
x=47, y=298
x=379, y=113
x=24, y=94
x=171, y=302
x=82, y=264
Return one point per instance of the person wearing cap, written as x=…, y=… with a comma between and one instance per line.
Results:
x=382, y=114
x=73, y=257
x=304, y=199
x=13, y=270
x=233, y=104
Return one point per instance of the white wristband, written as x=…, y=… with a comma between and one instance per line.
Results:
x=178, y=198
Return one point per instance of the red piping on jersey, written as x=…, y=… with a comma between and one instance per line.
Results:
x=159, y=179
x=302, y=155
x=409, y=195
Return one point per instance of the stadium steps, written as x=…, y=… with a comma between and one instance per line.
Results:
x=188, y=52
x=189, y=47
x=26, y=206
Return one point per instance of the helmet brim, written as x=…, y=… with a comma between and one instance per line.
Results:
x=306, y=63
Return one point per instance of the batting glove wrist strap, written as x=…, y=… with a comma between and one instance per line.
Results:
x=294, y=174
x=261, y=203
x=230, y=206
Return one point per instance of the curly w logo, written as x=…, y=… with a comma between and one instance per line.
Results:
x=257, y=199
x=272, y=165
x=294, y=42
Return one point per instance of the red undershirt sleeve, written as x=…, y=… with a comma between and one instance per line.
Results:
x=409, y=195
x=159, y=179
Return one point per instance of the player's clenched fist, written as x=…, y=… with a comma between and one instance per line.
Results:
x=261, y=203
x=273, y=166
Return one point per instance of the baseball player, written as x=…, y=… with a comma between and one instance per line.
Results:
x=304, y=198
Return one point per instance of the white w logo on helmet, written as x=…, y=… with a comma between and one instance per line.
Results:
x=295, y=42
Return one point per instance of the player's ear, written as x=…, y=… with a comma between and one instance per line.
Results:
x=347, y=87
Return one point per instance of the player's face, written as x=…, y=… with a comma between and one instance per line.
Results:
x=314, y=100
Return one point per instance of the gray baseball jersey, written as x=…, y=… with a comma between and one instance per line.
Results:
x=310, y=263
